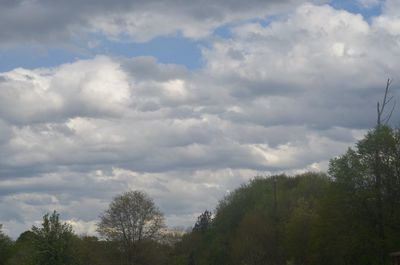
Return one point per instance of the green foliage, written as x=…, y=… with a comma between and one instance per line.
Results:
x=24, y=250
x=253, y=242
x=367, y=185
x=6, y=245
x=55, y=243
x=203, y=222
x=300, y=228
x=151, y=252
x=261, y=222
x=93, y=251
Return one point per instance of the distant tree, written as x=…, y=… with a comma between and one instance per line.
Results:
x=24, y=250
x=254, y=241
x=299, y=228
x=151, y=252
x=244, y=228
x=93, y=251
x=55, y=242
x=5, y=247
x=131, y=219
x=203, y=222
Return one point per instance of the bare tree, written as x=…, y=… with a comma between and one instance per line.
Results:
x=383, y=117
x=130, y=219
x=380, y=106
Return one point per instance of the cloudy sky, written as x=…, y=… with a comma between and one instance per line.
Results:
x=185, y=100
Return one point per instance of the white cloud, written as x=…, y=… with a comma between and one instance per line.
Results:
x=94, y=88
x=175, y=89
x=83, y=228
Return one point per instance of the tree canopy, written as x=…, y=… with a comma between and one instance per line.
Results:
x=54, y=241
x=131, y=219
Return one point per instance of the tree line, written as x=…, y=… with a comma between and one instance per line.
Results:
x=349, y=216
x=131, y=231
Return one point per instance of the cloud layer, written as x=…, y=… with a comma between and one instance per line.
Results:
x=283, y=96
x=46, y=21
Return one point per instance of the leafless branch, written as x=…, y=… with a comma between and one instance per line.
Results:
x=380, y=106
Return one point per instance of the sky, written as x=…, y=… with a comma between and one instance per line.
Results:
x=185, y=100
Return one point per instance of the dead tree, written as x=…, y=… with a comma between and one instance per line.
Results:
x=383, y=118
x=380, y=107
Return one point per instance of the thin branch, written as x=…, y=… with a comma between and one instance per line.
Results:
x=380, y=107
x=390, y=114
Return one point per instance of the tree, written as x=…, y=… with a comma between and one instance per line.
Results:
x=54, y=242
x=244, y=227
x=368, y=179
x=381, y=106
x=93, y=251
x=370, y=175
x=254, y=240
x=131, y=219
x=204, y=222
x=24, y=250
x=5, y=247
x=299, y=228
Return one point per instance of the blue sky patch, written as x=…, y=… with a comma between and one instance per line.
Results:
x=356, y=8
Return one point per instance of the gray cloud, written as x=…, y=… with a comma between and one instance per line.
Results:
x=45, y=21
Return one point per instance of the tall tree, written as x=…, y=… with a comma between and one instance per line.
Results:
x=378, y=168
x=5, y=247
x=131, y=219
x=383, y=115
x=369, y=177
x=54, y=242
x=203, y=222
